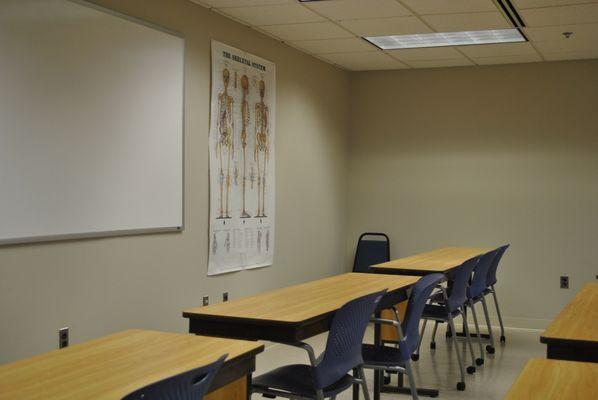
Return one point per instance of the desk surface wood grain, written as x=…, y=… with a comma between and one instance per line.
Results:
x=578, y=321
x=300, y=303
x=113, y=366
x=439, y=260
x=555, y=380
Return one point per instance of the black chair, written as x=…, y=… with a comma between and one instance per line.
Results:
x=371, y=251
x=490, y=287
x=326, y=375
x=190, y=385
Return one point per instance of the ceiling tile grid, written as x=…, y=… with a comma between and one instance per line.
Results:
x=333, y=30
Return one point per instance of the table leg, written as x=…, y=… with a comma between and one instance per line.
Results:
x=355, y=386
x=377, y=373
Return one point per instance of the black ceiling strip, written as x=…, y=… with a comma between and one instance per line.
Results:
x=523, y=34
x=515, y=13
x=506, y=11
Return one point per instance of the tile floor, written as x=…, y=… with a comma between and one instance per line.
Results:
x=438, y=369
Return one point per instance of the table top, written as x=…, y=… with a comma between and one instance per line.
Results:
x=543, y=379
x=113, y=366
x=300, y=303
x=578, y=321
x=440, y=260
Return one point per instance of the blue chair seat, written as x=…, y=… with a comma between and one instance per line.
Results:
x=297, y=379
x=439, y=312
x=382, y=355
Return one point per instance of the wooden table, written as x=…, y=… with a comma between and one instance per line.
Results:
x=297, y=312
x=555, y=380
x=436, y=261
x=113, y=366
x=573, y=334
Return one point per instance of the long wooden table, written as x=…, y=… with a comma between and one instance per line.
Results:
x=441, y=260
x=110, y=367
x=555, y=380
x=573, y=334
x=297, y=312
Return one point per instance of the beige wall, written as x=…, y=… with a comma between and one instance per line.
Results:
x=101, y=286
x=483, y=156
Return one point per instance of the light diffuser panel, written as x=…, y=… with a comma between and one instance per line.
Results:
x=395, y=42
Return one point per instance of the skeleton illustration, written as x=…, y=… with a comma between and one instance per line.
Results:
x=227, y=242
x=259, y=240
x=214, y=244
x=245, y=123
x=267, y=241
x=261, y=151
x=225, y=143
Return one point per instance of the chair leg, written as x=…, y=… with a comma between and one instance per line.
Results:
x=479, y=361
x=490, y=347
x=319, y=394
x=415, y=356
x=502, y=327
x=411, y=376
x=364, y=384
x=471, y=368
x=433, y=342
x=461, y=384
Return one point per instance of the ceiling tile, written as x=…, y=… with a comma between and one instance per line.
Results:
x=575, y=14
x=351, y=45
x=272, y=15
x=364, y=61
x=578, y=44
x=449, y=6
x=386, y=26
x=458, y=62
x=309, y=31
x=432, y=53
x=239, y=3
x=521, y=4
x=354, y=9
x=571, y=55
x=467, y=22
x=500, y=49
x=555, y=33
x=516, y=59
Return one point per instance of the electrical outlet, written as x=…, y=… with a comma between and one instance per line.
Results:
x=206, y=300
x=63, y=337
x=564, y=282
x=225, y=296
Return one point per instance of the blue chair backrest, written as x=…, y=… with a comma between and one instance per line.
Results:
x=371, y=252
x=420, y=293
x=480, y=274
x=343, y=347
x=459, y=281
x=492, y=272
x=190, y=385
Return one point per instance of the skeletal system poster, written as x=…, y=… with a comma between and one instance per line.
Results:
x=243, y=107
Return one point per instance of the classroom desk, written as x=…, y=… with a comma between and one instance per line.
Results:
x=110, y=367
x=436, y=261
x=573, y=334
x=555, y=380
x=297, y=312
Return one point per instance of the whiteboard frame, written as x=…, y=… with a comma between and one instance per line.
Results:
x=123, y=232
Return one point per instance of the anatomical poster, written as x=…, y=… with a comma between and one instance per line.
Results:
x=243, y=107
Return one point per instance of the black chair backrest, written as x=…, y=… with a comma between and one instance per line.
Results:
x=190, y=385
x=370, y=252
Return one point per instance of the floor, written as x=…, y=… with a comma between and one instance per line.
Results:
x=438, y=369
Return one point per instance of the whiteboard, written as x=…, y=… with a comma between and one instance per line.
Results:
x=91, y=123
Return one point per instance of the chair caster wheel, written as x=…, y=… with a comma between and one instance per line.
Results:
x=415, y=357
x=471, y=370
x=387, y=379
x=503, y=339
x=461, y=386
x=490, y=349
x=479, y=361
x=433, y=345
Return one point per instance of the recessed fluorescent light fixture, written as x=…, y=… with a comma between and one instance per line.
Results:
x=446, y=39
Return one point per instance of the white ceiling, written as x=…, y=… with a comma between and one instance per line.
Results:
x=332, y=30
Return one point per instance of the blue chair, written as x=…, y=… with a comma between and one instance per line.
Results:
x=326, y=375
x=448, y=306
x=475, y=294
x=371, y=252
x=491, y=281
x=392, y=359
x=190, y=385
